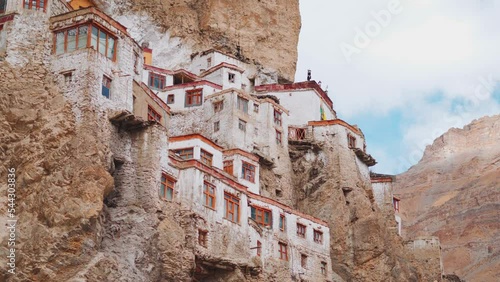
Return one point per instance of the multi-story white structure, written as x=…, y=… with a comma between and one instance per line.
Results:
x=384, y=197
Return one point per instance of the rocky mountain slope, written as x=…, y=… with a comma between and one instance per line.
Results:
x=454, y=193
x=178, y=28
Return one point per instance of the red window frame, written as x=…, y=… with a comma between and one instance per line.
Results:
x=279, y=137
x=155, y=78
x=185, y=154
x=283, y=249
x=167, y=184
x=259, y=215
x=39, y=5
x=282, y=223
x=301, y=230
x=248, y=171
x=277, y=117
x=318, y=236
x=232, y=207
x=209, y=194
x=88, y=39
x=193, y=97
x=228, y=166
x=206, y=157
x=259, y=248
x=153, y=115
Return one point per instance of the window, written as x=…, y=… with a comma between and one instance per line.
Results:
x=256, y=108
x=206, y=157
x=209, y=62
x=277, y=117
x=156, y=81
x=261, y=216
x=153, y=115
x=228, y=167
x=395, y=202
x=216, y=126
x=303, y=261
x=3, y=4
x=259, y=248
x=248, y=172
x=242, y=125
x=85, y=36
x=283, y=251
x=106, y=86
x=193, y=97
x=209, y=195
x=170, y=99
x=202, y=238
x=35, y=4
x=278, y=137
x=231, y=77
x=242, y=104
x=256, y=131
x=352, y=141
x=185, y=154
x=318, y=236
x=301, y=230
x=231, y=207
x=68, y=78
x=167, y=187
x=282, y=222
x=218, y=106
x=323, y=268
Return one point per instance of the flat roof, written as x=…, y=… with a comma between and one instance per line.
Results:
x=195, y=136
x=295, y=86
x=336, y=122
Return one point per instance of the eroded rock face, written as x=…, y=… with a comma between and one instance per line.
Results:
x=454, y=193
x=329, y=185
x=266, y=31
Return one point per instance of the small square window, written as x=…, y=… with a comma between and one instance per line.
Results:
x=218, y=106
x=256, y=108
x=259, y=248
x=231, y=77
x=170, y=99
x=352, y=141
x=216, y=126
x=209, y=62
x=318, y=236
x=282, y=222
x=242, y=125
x=277, y=117
x=68, y=77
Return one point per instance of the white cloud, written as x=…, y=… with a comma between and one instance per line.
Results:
x=430, y=46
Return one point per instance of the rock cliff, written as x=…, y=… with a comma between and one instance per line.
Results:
x=454, y=193
x=267, y=32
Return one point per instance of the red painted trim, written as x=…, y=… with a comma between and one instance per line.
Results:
x=193, y=84
x=190, y=74
x=237, y=151
x=222, y=65
x=155, y=97
x=185, y=164
x=90, y=10
x=285, y=208
x=195, y=136
x=381, y=180
x=157, y=69
x=295, y=86
x=147, y=50
x=6, y=18
x=335, y=122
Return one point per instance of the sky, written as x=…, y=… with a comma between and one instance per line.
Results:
x=404, y=71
